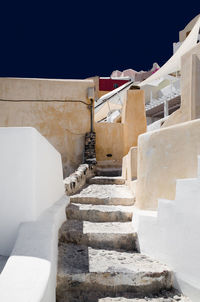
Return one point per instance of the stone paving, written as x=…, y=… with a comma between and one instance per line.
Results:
x=98, y=261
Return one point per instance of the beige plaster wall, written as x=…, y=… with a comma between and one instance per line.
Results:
x=109, y=140
x=133, y=118
x=118, y=138
x=41, y=103
x=164, y=156
x=95, y=79
x=190, y=89
x=101, y=93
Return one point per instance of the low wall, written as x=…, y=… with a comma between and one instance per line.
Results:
x=163, y=156
x=109, y=140
x=77, y=180
x=30, y=180
x=129, y=165
x=43, y=104
x=30, y=272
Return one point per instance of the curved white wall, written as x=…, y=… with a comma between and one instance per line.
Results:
x=31, y=180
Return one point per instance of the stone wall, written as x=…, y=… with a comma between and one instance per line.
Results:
x=77, y=180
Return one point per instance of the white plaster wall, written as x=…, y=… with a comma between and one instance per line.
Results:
x=30, y=272
x=172, y=234
x=30, y=180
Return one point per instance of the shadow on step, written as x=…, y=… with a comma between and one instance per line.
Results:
x=100, y=296
x=112, y=235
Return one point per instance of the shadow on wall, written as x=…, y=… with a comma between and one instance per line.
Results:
x=115, y=139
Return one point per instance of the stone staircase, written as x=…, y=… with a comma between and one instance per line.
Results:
x=98, y=260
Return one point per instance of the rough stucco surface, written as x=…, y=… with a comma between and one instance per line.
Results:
x=133, y=118
x=61, y=123
x=109, y=140
x=164, y=156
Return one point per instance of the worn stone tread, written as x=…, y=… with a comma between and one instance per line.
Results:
x=104, y=195
x=167, y=297
x=99, y=213
x=116, y=235
x=103, y=180
x=85, y=268
x=101, y=296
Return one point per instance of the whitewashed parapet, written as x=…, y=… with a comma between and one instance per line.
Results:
x=32, y=167
x=30, y=272
x=77, y=180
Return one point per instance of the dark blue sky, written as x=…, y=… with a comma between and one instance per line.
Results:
x=52, y=39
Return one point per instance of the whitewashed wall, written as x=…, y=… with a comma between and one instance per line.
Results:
x=31, y=180
x=30, y=272
x=172, y=234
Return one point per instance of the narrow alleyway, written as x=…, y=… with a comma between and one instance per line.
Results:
x=98, y=257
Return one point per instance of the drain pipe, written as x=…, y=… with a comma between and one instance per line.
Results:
x=91, y=115
x=91, y=107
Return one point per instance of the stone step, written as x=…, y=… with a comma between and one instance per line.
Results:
x=103, y=180
x=95, y=273
x=113, y=235
x=104, y=195
x=99, y=213
x=102, y=171
x=164, y=296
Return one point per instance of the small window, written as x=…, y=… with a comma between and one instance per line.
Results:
x=116, y=85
